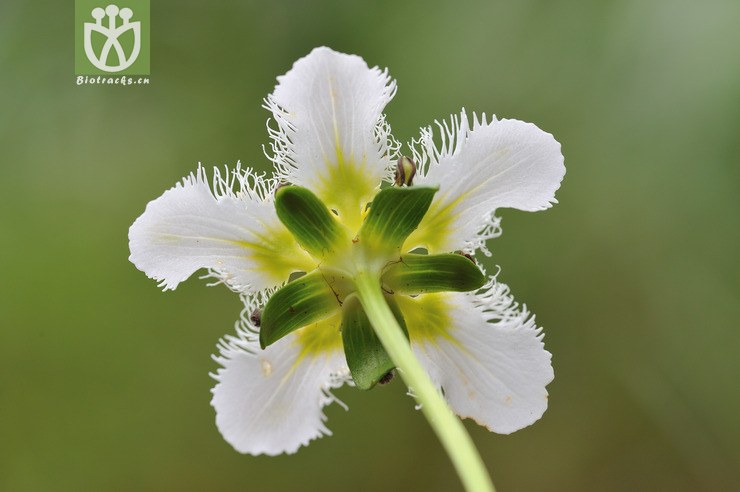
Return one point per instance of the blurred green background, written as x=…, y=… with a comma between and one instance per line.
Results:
x=104, y=380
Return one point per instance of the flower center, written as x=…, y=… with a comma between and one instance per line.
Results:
x=324, y=304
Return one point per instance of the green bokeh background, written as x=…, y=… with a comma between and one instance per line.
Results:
x=104, y=380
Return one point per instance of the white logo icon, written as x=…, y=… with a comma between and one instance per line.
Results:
x=112, y=33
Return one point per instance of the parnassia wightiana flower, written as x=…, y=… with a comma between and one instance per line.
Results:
x=344, y=212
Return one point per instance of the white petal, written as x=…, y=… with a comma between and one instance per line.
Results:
x=270, y=401
x=236, y=234
x=490, y=361
x=331, y=135
x=504, y=163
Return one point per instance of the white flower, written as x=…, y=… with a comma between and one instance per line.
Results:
x=482, y=349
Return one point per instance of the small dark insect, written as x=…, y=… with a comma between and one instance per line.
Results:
x=256, y=317
x=386, y=377
x=468, y=256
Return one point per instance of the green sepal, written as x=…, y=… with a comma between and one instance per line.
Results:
x=393, y=215
x=299, y=303
x=366, y=358
x=307, y=218
x=421, y=274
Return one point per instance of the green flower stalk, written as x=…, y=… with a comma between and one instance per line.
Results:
x=355, y=263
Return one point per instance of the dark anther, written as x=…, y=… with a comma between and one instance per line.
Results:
x=282, y=184
x=386, y=377
x=405, y=171
x=256, y=317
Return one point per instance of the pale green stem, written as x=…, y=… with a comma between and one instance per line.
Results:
x=446, y=425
